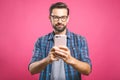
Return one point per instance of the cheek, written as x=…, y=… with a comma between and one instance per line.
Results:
x=65, y=23
x=54, y=23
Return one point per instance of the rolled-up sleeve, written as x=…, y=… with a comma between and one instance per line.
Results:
x=37, y=55
x=84, y=53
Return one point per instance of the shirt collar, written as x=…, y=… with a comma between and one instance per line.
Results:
x=51, y=36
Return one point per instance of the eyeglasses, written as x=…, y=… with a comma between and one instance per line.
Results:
x=56, y=18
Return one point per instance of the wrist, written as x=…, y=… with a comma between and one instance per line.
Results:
x=71, y=61
x=47, y=60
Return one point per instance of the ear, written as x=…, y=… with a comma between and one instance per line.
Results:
x=49, y=17
x=68, y=19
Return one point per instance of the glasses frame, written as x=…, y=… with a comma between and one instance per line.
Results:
x=56, y=18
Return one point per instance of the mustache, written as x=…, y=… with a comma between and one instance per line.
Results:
x=59, y=24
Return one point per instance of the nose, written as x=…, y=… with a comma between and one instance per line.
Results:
x=59, y=20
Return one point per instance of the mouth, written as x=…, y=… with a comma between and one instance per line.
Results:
x=59, y=25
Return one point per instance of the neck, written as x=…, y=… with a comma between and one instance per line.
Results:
x=60, y=33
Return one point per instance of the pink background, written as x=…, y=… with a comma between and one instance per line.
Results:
x=23, y=21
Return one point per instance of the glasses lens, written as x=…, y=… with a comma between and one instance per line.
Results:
x=64, y=18
x=56, y=18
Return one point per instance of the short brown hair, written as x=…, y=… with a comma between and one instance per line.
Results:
x=58, y=5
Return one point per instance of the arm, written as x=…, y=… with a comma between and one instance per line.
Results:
x=81, y=66
x=64, y=53
x=38, y=66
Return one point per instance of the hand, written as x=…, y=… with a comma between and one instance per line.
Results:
x=52, y=56
x=64, y=53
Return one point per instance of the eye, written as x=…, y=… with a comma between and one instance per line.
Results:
x=63, y=17
x=55, y=17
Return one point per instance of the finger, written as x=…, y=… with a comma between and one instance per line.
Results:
x=52, y=53
x=54, y=48
x=63, y=47
x=63, y=58
x=59, y=53
x=55, y=59
x=62, y=51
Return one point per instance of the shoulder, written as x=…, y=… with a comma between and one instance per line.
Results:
x=78, y=36
x=44, y=38
x=79, y=39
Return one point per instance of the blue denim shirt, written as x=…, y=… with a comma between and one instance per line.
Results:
x=78, y=48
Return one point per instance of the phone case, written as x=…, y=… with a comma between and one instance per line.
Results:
x=60, y=40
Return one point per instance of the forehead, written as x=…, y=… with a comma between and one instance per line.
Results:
x=59, y=12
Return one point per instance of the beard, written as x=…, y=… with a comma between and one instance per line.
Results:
x=57, y=27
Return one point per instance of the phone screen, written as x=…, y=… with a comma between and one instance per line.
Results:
x=60, y=40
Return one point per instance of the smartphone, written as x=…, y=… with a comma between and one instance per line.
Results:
x=60, y=40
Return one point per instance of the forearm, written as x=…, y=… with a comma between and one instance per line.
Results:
x=38, y=66
x=82, y=67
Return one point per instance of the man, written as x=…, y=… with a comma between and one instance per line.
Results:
x=73, y=59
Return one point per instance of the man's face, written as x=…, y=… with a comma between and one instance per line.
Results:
x=59, y=19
